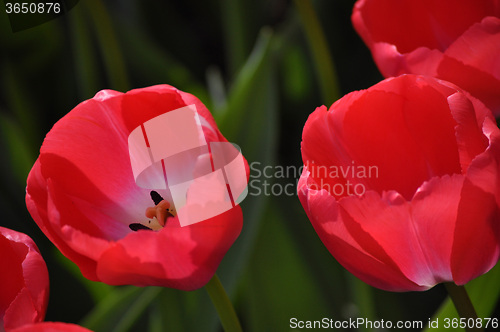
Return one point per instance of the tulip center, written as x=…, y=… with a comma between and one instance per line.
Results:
x=157, y=215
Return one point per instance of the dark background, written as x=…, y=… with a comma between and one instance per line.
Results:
x=278, y=268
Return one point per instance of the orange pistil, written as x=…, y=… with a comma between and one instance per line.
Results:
x=161, y=211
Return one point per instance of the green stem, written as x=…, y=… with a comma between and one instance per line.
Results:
x=462, y=303
x=363, y=298
x=223, y=305
x=323, y=59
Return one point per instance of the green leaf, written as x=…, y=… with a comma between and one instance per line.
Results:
x=216, y=87
x=19, y=155
x=151, y=63
x=167, y=312
x=136, y=309
x=231, y=117
x=97, y=290
x=362, y=296
x=323, y=60
x=297, y=80
x=279, y=285
x=83, y=52
x=233, y=21
x=110, y=310
x=249, y=119
x=110, y=50
x=20, y=103
x=121, y=309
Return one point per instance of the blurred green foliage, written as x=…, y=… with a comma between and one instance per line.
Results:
x=262, y=67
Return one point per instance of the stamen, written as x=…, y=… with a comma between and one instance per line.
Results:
x=161, y=211
x=157, y=215
x=156, y=197
x=152, y=225
x=136, y=226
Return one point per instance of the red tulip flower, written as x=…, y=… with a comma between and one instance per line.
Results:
x=457, y=41
x=24, y=287
x=402, y=183
x=50, y=327
x=82, y=193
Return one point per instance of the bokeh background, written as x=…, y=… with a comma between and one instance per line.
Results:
x=261, y=67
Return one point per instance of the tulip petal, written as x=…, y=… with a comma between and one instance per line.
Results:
x=51, y=327
x=478, y=47
x=425, y=23
x=40, y=204
x=478, y=216
x=11, y=283
x=344, y=238
x=97, y=153
x=24, y=282
x=434, y=210
x=178, y=257
x=393, y=63
x=470, y=138
x=381, y=222
x=477, y=222
x=320, y=147
x=21, y=311
x=352, y=130
x=421, y=37
x=472, y=62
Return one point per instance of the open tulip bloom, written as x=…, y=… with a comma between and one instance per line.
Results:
x=107, y=185
x=457, y=41
x=402, y=183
